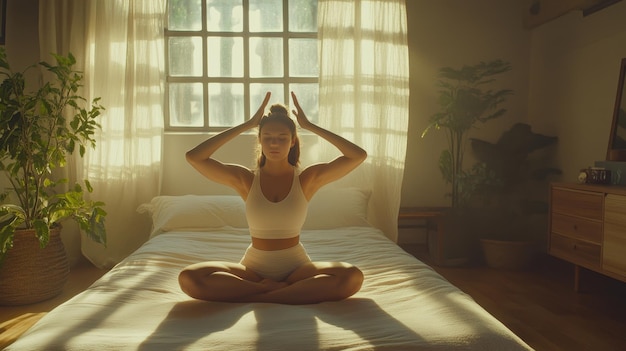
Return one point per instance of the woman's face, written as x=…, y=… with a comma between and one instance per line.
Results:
x=276, y=140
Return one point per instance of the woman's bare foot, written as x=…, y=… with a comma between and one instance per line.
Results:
x=273, y=285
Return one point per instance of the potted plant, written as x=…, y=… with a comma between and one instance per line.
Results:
x=39, y=128
x=466, y=99
x=514, y=207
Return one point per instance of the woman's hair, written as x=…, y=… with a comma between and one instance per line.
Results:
x=279, y=113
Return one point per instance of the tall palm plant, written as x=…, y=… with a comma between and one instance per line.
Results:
x=466, y=100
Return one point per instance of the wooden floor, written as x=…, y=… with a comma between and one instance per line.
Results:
x=15, y=320
x=541, y=306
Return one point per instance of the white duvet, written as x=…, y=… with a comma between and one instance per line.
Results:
x=138, y=305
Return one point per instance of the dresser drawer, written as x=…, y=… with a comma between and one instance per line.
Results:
x=577, y=227
x=614, y=244
x=577, y=203
x=576, y=251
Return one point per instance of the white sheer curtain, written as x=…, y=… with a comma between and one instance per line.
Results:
x=119, y=47
x=364, y=94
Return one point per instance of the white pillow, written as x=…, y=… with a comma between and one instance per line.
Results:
x=329, y=208
x=334, y=208
x=194, y=212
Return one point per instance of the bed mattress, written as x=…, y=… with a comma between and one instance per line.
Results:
x=403, y=304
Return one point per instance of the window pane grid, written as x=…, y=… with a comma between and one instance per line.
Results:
x=218, y=70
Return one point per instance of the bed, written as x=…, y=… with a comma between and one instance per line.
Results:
x=403, y=304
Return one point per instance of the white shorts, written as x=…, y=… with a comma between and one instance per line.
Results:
x=277, y=264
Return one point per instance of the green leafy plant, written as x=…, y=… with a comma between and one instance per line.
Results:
x=39, y=128
x=466, y=100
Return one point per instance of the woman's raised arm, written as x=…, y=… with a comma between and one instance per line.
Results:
x=321, y=174
x=234, y=176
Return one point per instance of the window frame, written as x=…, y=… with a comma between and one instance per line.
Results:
x=246, y=80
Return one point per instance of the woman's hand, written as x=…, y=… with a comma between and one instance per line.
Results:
x=256, y=118
x=303, y=121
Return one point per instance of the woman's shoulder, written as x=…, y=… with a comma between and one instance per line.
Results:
x=244, y=174
x=304, y=172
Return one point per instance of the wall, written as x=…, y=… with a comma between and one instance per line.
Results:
x=575, y=64
x=22, y=37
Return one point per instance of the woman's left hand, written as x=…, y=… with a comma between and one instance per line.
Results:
x=256, y=118
x=303, y=121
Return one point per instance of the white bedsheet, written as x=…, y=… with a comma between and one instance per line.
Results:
x=138, y=305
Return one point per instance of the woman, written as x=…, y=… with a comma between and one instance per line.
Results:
x=275, y=267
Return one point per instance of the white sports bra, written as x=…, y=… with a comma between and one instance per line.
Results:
x=276, y=220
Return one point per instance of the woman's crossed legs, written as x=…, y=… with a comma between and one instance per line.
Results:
x=312, y=282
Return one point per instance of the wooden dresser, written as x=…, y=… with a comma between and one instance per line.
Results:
x=588, y=228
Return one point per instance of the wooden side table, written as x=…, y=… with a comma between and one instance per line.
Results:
x=431, y=220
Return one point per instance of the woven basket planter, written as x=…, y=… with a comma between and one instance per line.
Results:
x=30, y=274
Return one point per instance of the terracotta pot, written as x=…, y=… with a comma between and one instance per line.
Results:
x=30, y=274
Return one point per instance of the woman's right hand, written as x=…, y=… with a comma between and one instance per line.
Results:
x=256, y=118
x=303, y=121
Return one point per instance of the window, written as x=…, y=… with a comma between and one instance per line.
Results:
x=224, y=55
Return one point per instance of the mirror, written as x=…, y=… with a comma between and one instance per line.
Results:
x=617, y=138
